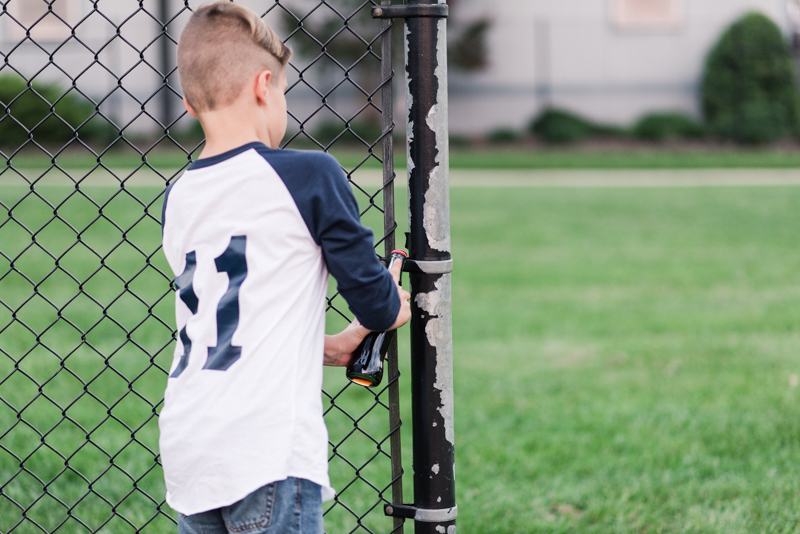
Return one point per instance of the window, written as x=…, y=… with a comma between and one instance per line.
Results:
x=646, y=14
x=45, y=19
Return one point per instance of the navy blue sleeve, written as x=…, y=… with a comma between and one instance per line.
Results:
x=322, y=194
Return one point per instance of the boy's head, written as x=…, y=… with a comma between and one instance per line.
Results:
x=223, y=47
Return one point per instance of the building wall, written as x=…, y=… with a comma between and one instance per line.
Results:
x=120, y=71
x=566, y=53
x=574, y=54
x=115, y=58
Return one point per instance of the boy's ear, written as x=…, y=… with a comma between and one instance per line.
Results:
x=188, y=107
x=263, y=82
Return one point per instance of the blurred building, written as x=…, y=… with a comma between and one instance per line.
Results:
x=113, y=54
x=610, y=60
x=110, y=50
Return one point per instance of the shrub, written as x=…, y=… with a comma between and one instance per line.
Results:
x=749, y=87
x=670, y=125
x=558, y=126
x=24, y=108
x=326, y=132
x=609, y=130
x=459, y=140
x=503, y=135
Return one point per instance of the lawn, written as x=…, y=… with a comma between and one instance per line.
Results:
x=626, y=360
x=511, y=157
x=85, y=338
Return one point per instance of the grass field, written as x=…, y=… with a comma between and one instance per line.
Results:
x=482, y=157
x=626, y=360
x=82, y=371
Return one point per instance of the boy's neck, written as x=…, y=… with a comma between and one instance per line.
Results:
x=231, y=127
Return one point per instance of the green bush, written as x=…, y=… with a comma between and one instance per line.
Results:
x=749, y=88
x=558, y=126
x=24, y=109
x=609, y=130
x=459, y=140
x=670, y=125
x=325, y=133
x=503, y=135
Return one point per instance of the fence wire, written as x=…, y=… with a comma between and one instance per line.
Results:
x=92, y=131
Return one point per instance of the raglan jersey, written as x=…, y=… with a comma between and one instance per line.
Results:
x=251, y=236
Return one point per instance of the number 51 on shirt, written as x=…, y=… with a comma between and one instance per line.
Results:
x=234, y=263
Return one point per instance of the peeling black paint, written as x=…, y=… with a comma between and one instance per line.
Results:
x=434, y=470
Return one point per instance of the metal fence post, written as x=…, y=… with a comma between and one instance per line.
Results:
x=389, y=225
x=167, y=50
x=429, y=244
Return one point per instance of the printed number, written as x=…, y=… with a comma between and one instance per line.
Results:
x=234, y=263
x=186, y=293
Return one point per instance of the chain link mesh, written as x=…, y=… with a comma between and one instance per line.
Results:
x=91, y=134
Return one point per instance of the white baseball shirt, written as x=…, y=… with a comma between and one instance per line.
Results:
x=251, y=236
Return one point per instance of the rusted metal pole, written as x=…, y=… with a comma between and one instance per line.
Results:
x=430, y=266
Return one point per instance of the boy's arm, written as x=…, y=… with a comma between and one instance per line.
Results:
x=340, y=348
x=371, y=292
x=330, y=211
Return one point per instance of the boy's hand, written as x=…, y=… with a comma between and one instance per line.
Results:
x=339, y=348
x=405, y=306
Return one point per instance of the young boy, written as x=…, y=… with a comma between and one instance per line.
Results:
x=251, y=233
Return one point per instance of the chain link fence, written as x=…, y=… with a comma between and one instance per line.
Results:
x=91, y=133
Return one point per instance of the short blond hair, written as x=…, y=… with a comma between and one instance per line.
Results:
x=221, y=47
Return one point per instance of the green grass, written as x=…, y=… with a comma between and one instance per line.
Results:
x=623, y=361
x=66, y=362
x=615, y=158
x=85, y=338
x=492, y=158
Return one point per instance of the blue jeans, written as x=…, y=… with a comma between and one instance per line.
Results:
x=291, y=506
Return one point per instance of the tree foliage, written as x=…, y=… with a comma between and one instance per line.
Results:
x=467, y=48
x=337, y=45
x=749, y=88
x=344, y=29
x=667, y=125
x=561, y=126
x=46, y=112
